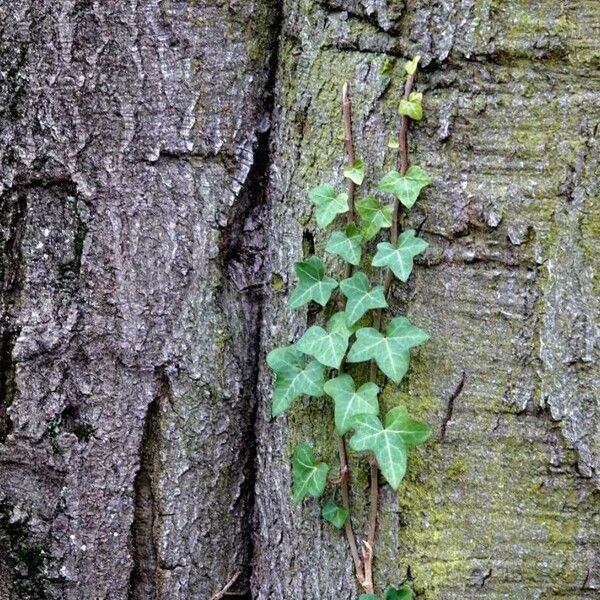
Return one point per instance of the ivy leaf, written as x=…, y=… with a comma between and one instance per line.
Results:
x=346, y=244
x=350, y=402
x=412, y=107
x=309, y=476
x=403, y=593
x=386, y=445
x=413, y=432
x=407, y=188
x=355, y=171
x=328, y=204
x=294, y=378
x=374, y=216
x=390, y=351
x=400, y=258
x=360, y=296
x=313, y=284
x=411, y=66
x=368, y=597
x=334, y=514
x=328, y=347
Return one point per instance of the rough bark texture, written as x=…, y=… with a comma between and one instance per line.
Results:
x=150, y=217
x=128, y=132
x=503, y=502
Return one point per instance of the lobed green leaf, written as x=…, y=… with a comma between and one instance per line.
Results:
x=389, y=351
x=309, y=477
x=400, y=259
x=346, y=244
x=328, y=204
x=294, y=378
x=313, y=284
x=412, y=432
x=355, y=171
x=386, y=444
x=412, y=107
x=334, y=514
x=403, y=593
x=374, y=216
x=406, y=188
x=350, y=402
x=361, y=297
x=328, y=347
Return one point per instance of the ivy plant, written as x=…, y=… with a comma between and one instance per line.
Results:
x=361, y=328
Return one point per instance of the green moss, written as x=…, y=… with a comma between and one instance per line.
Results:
x=277, y=284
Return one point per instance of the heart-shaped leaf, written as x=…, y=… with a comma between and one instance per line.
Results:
x=400, y=258
x=390, y=351
x=328, y=347
x=355, y=171
x=403, y=593
x=313, y=284
x=412, y=107
x=407, y=188
x=350, y=402
x=360, y=296
x=374, y=216
x=328, y=204
x=294, y=378
x=346, y=244
x=386, y=445
x=309, y=477
x=334, y=514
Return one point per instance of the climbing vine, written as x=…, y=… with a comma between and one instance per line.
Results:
x=360, y=330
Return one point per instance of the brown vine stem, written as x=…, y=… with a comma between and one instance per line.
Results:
x=342, y=450
x=403, y=164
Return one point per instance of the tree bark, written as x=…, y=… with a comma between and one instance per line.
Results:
x=131, y=267
x=155, y=162
x=503, y=500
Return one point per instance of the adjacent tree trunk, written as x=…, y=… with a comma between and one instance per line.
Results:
x=155, y=159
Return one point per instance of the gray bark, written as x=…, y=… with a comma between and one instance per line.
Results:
x=152, y=205
x=127, y=133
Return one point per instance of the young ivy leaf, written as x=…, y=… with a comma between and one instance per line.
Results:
x=386, y=445
x=355, y=171
x=328, y=347
x=411, y=66
x=334, y=514
x=390, y=351
x=403, y=593
x=313, y=284
x=374, y=216
x=407, y=188
x=361, y=298
x=294, y=378
x=400, y=259
x=328, y=204
x=412, y=432
x=346, y=244
x=309, y=477
x=412, y=107
x=350, y=402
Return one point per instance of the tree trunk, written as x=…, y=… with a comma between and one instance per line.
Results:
x=155, y=161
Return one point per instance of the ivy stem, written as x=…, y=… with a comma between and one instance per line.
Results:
x=342, y=450
x=403, y=164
